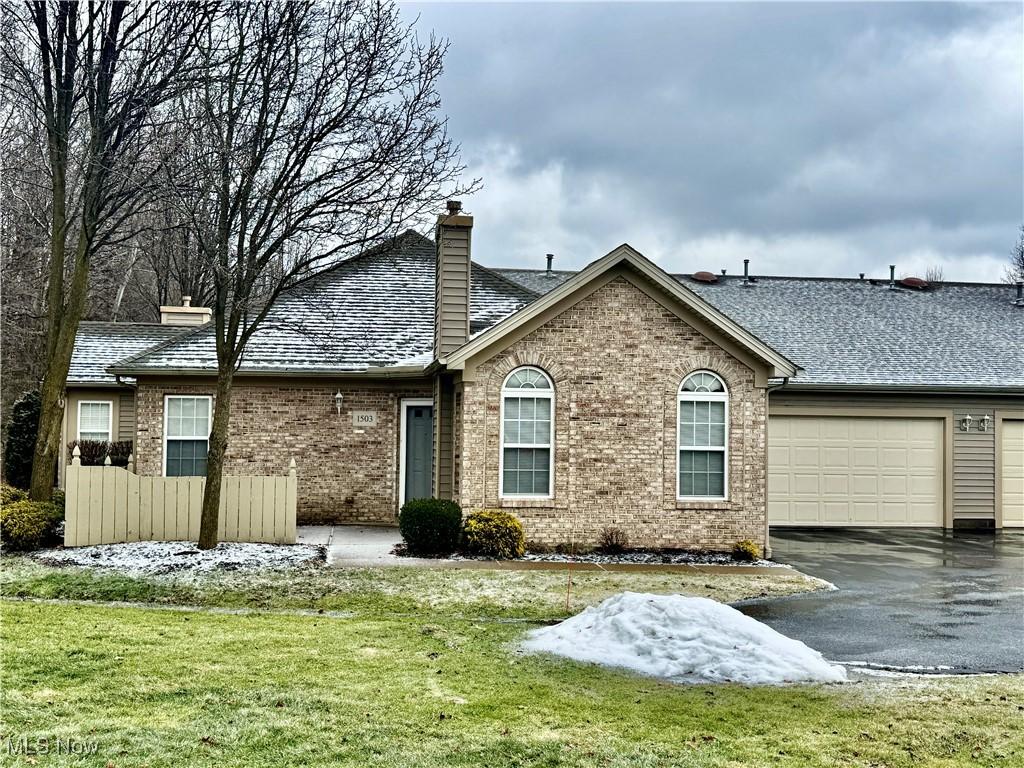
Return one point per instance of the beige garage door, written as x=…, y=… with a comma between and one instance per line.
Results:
x=1013, y=473
x=854, y=471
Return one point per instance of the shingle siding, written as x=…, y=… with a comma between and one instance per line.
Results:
x=617, y=359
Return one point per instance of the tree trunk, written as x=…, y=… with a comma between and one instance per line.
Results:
x=210, y=519
x=51, y=414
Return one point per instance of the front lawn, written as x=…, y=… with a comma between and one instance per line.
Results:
x=522, y=594
x=420, y=670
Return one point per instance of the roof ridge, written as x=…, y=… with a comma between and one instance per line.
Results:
x=160, y=345
x=502, y=278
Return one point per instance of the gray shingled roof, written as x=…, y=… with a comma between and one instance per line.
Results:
x=376, y=311
x=858, y=333
x=373, y=311
x=98, y=345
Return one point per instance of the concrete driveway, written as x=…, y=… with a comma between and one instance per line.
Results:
x=906, y=598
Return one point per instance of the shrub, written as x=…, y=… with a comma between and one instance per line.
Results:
x=430, y=526
x=29, y=524
x=746, y=551
x=22, y=427
x=613, y=540
x=494, y=533
x=58, y=500
x=9, y=494
x=93, y=453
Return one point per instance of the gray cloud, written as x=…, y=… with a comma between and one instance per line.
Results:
x=811, y=138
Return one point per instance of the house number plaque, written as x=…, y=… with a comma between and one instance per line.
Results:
x=364, y=418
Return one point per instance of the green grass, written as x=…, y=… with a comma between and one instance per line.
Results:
x=404, y=682
x=529, y=594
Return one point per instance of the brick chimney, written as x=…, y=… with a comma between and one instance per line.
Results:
x=186, y=314
x=451, y=313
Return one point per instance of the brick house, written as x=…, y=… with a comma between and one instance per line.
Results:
x=688, y=410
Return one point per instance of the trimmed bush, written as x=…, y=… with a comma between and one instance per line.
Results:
x=430, y=526
x=29, y=524
x=493, y=533
x=93, y=453
x=746, y=551
x=9, y=494
x=613, y=541
x=22, y=428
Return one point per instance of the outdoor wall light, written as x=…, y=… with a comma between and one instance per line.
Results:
x=965, y=423
x=985, y=421
x=338, y=397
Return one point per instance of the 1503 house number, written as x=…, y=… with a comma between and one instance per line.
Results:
x=364, y=418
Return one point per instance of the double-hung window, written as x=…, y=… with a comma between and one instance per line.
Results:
x=187, y=421
x=95, y=420
x=527, y=416
x=703, y=437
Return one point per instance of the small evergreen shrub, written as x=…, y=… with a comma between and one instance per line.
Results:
x=29, y=524
x=9, y=494
x=22, y=428
x=746, y=551
x=58, y=500
x=430, y=526
x=493, y=533
x=613, y=541
x=93, y=453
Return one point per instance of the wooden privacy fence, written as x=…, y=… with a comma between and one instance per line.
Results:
x=108, y=505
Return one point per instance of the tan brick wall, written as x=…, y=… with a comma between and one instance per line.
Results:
x=345, y=476
x=617, y=358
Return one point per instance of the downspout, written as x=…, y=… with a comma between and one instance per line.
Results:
x=768, y=390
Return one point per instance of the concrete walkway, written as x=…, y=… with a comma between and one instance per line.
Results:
x=366, y=546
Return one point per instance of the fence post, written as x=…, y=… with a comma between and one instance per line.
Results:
x=291, y=498
x=72, y=499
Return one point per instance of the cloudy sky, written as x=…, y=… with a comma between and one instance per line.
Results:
x=814, y=139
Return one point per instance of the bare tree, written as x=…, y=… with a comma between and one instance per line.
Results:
x=90, y=77
x=1015, y=270
x=315, y=135
x=934, y=275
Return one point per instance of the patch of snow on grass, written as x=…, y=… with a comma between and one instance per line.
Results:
x=156, y=557
x=683, y=639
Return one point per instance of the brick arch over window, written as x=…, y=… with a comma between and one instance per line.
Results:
x=555, y=371
x=737, y=377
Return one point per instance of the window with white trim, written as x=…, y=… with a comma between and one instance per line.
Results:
x=187, y=421
x=527, y=411
x=95, y=420
x=703, y=437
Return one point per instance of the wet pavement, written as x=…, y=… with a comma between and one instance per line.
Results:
x=907, y=598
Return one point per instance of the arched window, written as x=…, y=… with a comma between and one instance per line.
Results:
x=527, y=415
x=703, y=437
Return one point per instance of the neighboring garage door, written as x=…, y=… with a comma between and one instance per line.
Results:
x=1013, y=473
x=854, y=471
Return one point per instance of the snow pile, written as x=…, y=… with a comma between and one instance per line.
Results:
x=683, y=639
x=154, y=557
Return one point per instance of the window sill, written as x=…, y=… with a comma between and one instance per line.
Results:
x=705, y=504
x=529, y=503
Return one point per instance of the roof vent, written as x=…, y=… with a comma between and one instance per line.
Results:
x=914, y=282
x=551, y=258
x=747, y=282
x=892, y=277
x=705, y=277
x=1019, y=301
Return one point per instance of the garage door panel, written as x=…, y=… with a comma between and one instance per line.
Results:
x=865, y=458
x=855, y=471
x=1013, y=473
